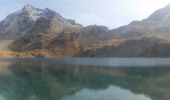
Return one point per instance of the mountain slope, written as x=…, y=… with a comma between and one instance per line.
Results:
x=147, y=38
x=32, y=31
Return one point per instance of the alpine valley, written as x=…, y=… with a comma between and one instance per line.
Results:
x=33, y=32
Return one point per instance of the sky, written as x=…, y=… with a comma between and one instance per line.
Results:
x=110, y=13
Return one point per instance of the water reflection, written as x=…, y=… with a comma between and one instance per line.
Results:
x=1, y=97
x=111, y=93
x=56, y=81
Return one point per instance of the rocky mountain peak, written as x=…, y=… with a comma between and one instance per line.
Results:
x=28, y=7
x=50, y=13
x=31, y=12
x=34, y=20
x=35, y=13
x=47, y=10
x=167, y=7
x=162, y=14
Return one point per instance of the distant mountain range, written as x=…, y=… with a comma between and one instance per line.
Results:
x=33, y=32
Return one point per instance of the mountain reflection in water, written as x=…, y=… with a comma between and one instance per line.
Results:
x=111, y=93
x=59, y=81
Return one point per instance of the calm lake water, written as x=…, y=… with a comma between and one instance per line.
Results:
x=85, y=79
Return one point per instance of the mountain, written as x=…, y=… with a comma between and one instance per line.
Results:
x=156, y=24
x=45, y=32
x=42, y=32
x=34, y=20
x=147, y=38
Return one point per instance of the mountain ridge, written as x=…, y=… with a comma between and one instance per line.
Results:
x=33, y=31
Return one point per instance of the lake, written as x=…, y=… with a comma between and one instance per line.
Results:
x=85, y=79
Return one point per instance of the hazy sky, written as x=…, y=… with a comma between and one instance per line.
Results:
x=111, y=13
